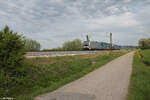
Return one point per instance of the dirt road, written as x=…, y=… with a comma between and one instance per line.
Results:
x=109, y=82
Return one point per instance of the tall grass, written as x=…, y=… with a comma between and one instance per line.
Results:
x=46, y=77
x=140, y=79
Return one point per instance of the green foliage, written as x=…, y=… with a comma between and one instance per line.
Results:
x=144, y=43
x=50, y=76
x=139, y=54
x=11, y=50
x=22, y=79
x=146, y=57
x=73, y=45
x=32, y=45
x=11, y=59
x=140, y=79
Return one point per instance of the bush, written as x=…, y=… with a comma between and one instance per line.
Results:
x=73, y=45
x=11, y=59
x=144, y=43
x=11, y=50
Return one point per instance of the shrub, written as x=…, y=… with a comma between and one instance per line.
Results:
x=11, y=59
x=144, y=43
x=11, y=50
x=73, y=45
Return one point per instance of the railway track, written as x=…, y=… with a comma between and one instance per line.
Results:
x=61, y=53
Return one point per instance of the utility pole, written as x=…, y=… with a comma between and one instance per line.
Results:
x=110, y=41
x=87, y=38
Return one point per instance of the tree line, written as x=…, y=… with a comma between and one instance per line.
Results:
x=32, y=45
x=73, y=45
x=144, y=43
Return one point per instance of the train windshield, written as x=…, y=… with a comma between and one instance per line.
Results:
x=86, y=43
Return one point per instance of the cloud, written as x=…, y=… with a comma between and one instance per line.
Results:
x=51, y=22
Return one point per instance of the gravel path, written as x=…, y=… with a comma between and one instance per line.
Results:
x=64, y=53
x=109, y=82
x=60, y=53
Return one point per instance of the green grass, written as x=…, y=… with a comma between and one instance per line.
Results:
x=47, y=74
x=140, y=80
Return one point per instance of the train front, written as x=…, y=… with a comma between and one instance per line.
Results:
x=86, y=45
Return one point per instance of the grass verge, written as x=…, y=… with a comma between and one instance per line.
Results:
x=48, y=74
x=140, y=80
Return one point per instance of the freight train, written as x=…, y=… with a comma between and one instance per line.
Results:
x=95, y=45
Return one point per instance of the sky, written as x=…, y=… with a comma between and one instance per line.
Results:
x=52, y=22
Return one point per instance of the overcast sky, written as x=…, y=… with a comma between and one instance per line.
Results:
x=51, y=22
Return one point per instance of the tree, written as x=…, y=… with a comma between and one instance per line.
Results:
x=11, y=50
x=32, y=45
x=73, y=45
x=144, y=43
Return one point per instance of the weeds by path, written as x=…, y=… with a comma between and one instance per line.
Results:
x=140, y=79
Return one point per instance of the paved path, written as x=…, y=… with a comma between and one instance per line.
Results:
x=109, y=82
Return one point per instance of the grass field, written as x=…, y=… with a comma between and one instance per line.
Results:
x=140, y=79
x=47, y=74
